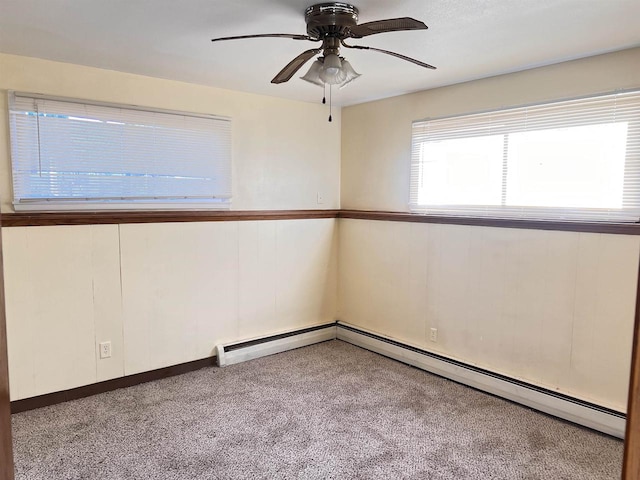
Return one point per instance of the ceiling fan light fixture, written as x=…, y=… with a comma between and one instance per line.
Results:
x=332, y=63
x=320, y=75
x=313, y=75
x=331, y=71
x=349, y=73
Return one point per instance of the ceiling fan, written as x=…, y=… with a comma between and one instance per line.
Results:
x=332, y=24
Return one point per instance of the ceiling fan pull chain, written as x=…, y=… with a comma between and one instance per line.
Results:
x=324, y=93
x=330, y=100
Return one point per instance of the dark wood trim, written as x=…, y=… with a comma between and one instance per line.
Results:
x=6, y=445
x=592, y=227
x=54, y=398
x=631, y=462
x=105, y=217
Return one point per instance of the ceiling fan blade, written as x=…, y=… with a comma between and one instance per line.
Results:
x=388, y=25
x=394, y=54
x=294, y=65
x=263, y=35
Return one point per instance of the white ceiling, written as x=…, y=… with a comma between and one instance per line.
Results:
x=467, y=39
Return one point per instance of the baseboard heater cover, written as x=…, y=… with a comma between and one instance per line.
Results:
x=559, y=405
x=261, y=347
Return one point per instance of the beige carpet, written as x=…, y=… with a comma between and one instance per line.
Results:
x=329, y=411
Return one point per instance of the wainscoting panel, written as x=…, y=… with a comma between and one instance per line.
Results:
x=553, y=308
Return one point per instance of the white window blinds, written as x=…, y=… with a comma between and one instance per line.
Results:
x=569, y=160
x=68, y=155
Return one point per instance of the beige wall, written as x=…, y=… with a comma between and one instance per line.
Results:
x=376, y=147
x=552, y=308
x=284, y=152
x=168, y=293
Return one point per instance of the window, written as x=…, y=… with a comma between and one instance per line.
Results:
x=72, y=155
x=569, y=160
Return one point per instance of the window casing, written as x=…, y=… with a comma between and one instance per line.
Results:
x=72, y=155
x=569, y=160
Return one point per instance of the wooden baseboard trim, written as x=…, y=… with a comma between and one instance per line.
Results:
x=54, y=398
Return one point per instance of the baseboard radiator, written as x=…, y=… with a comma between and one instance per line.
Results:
x=261, y=347
x=559, y=405
x=553, y=403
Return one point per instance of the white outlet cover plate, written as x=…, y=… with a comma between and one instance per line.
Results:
x=105, y=350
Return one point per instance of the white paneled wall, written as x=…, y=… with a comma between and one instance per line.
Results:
x=161, y=293
x=551, y=308
x=179, y=291
x=62, y=291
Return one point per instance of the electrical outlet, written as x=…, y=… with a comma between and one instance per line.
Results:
x=433, y=334
x=105, y=350
x=320, y=198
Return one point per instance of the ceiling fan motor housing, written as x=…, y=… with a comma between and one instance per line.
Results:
x=330, y=20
